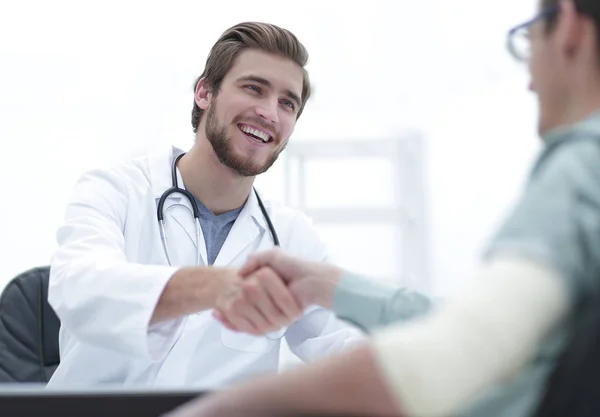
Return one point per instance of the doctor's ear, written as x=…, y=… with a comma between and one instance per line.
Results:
x=202, y=95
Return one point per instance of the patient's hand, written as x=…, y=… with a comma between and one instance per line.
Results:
x=262, y=304
x=313, y=283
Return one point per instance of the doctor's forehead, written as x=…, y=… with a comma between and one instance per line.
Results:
x=281, y=73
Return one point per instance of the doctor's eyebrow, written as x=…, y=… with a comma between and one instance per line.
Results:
x=263, y=81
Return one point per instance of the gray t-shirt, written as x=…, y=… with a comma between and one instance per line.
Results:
x=557, y=223
x=215, y=228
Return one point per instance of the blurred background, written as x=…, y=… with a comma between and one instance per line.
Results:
x=417, y=140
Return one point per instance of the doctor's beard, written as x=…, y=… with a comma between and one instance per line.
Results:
x=216, y=133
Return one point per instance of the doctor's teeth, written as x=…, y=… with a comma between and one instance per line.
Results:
x=254, y=132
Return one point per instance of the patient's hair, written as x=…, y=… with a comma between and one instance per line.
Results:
x=590, y=8
x=262, y=36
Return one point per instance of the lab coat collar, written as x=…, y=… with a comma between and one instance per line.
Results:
x=159, y=164
x=253, y=210
x=249, y=224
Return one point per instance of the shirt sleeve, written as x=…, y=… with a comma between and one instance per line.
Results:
x=557, y=220
x=369, y=304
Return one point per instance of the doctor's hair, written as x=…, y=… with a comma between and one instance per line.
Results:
x=589, y=8
x=256, y=35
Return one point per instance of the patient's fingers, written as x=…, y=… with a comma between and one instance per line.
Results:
x=259, y=260
x=253, y=263
x=263, y=304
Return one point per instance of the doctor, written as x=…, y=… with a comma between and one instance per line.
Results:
x=135, y=298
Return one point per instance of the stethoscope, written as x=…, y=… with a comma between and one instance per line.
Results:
x=163, y=237
x=175, y=189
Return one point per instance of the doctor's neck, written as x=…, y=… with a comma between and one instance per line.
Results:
x=217, y=186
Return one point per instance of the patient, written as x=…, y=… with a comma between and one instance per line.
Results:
x=487, y=353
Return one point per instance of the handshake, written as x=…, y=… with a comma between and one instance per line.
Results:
x=271, y=291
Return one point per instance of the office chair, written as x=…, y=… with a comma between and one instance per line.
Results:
x=28, y=329
x=573, y=388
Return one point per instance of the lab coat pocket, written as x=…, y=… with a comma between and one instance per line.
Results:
x=245, y=342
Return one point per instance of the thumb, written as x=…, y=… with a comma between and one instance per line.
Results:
x=259, y=260
x=253, y=264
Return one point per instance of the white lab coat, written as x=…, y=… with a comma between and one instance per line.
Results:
x=110, y=269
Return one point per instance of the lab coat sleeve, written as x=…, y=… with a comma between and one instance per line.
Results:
x=98, y=295
x=319, y=331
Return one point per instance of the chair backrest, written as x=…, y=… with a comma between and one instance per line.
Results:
x=573, y=388
x=28, y=329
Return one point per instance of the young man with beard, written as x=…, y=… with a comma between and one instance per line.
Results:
x=137, y=274
x=488, y=352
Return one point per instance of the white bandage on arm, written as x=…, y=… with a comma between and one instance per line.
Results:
x=436, y=366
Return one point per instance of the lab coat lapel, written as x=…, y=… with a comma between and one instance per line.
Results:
x=181, y=212
x=249, y=226
x=180, y=227
x=184, y=218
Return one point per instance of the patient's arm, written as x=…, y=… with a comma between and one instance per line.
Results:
x=349, y=383
x=439, y=364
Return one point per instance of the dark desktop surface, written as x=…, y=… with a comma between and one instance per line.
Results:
x=38, y=401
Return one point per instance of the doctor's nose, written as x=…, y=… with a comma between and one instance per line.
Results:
x=268, y=111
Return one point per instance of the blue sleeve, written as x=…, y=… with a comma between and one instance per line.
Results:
x=557, y=220
x=369, y=304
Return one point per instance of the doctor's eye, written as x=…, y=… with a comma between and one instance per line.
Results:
x=253, y=87
x=288, y=103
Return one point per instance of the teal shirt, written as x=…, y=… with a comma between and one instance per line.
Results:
x=369, y=304
x=556, y=222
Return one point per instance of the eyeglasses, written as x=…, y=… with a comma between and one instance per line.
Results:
x=518, y=40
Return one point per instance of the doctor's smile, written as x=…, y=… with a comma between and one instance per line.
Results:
x=257, y=134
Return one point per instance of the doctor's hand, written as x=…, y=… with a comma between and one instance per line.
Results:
x=310, y=282
x=260, y=304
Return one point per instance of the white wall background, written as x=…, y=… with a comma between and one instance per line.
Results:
x=83, y=82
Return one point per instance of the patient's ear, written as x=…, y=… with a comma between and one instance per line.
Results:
x=571, y=29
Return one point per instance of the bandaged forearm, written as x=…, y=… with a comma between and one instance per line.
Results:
x=436, y=366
